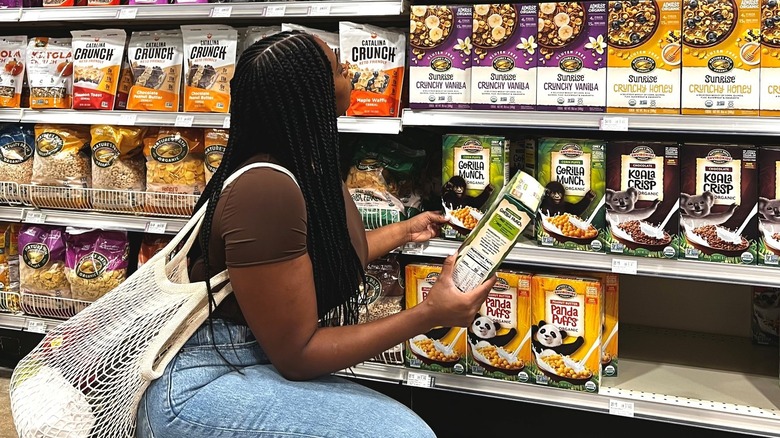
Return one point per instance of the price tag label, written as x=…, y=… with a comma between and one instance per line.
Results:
x=183, y=121
x=319, y=10
x=275, y=10
x=221, y=11
x=621, y=407
x=613, y=124
x=413, y=248
x=36, y=326
x=126, y=13
x=155, y=227
x=226, y=122
x=35, y=217
x=127, y=119
x=419, y=380
x=624, y=266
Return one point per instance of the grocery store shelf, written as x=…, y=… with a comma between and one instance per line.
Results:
x=657, y=381
x=9, y=114
x=18, y=321
x=10, y=214
x=370, y=125
x=89, y=219
x=126, y=118
x=691, y=124
x=527, y=253
x=216, y=11
x=9, y=15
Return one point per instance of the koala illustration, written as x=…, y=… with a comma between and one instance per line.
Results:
x=696, y=210
x=769, y=210
x=621, y=206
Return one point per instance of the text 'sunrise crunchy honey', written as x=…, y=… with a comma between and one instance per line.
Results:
x=644, y=57
x=721, y=57
x=770, y=58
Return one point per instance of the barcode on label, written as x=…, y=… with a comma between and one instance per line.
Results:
x=419, y=379
x=621, y=407
x=156, y=227
x=183, y=121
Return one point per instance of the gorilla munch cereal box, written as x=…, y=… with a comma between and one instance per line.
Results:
x=573, y=172
x=718, y=203
x=566, y=330
x=441, y=349
x=769, y=206
x=642, y=198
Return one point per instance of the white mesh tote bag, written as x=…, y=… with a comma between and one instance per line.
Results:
x=86, y=377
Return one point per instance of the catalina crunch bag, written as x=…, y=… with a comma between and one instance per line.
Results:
x=156, y=62
x=210, y=60
x=97, y=61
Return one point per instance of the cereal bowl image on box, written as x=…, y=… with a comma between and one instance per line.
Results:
x=433, y=351
x=567, y=227
x=562, y=368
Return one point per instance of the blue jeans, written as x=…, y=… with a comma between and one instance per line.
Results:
x=200, y=396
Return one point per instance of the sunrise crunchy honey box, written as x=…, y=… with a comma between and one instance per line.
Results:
x=770, y=58
x=498, y=342
x=721, y=57
x=566, y=332
x=644, y=57
x=441, y=349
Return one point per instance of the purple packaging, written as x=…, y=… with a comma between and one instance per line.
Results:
x=95, y=261
x=147, y=2
x=189, y=2
x=572, y=73
x=10, y=3
x=440, y=56
x=503, y=72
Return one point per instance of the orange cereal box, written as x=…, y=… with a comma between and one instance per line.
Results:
x=566, y=315
x=442, y=349
x=499, y=344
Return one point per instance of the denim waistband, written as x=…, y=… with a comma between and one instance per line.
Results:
x=224, y=332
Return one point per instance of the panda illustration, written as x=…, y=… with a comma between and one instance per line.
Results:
x=485, y=329
x=546, y=336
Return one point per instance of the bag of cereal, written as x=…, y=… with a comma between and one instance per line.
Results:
x=97, y=62
x=17, y=143
x=174, y=165
x=50, y=72
x=118, y=164
x=42, y=270
x=216, y=141
x=95, y=261
x=61, y=160
x=12, y=53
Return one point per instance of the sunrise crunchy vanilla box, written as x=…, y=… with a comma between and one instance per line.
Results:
x=770, y=58
x=721, y=57
x=503, y=74
x=644, y=57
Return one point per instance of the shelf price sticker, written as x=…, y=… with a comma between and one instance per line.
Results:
x=420, y=380
x=127, y=119
x=126, y=13
x=275, y=10
x=34, y=326
x=613, y=124
x=413, y=248
x=319, y=10
x=621, y=407
x=226, y=122
x=183, y=121
x=35, y=217
x=221, y=11
x=155, y=227
x=624, y=266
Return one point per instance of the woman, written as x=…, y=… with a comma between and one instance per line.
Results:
x=295, y=250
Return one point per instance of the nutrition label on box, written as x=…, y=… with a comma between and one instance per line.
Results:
x=472, y=269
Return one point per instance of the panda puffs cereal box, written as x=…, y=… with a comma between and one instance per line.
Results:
x=441, y=349
x=566, y=330
x=498, y=344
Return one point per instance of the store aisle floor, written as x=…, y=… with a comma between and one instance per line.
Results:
x=6, y=424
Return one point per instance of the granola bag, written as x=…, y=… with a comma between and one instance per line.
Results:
x=17, y=142
x=174, y=165
x=12, y=54
x=61, y=156
x=118, y=165
x=50, y=72
x=42, y=261
x=155, y=63
x=95, y=261
x=209, y=64
x=215, y=141
x=97, y=61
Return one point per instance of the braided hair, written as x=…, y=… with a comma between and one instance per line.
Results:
x=283, y=104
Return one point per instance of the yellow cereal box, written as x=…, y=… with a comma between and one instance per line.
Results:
x=770, y=58
x=644, y=57
x=498, y=337
x=566, y=329
x=442, y=349
x=721, y=57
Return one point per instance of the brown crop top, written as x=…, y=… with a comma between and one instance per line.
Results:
x=261, y=218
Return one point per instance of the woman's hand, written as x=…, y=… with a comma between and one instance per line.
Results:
x=424, y=226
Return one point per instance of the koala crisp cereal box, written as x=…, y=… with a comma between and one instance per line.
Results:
x=644, y=57
x=440, y=56
x=721, y=57
x=769, y=206
x=642, y=198
x=498, y=342
x=718, y=203
x=572, y=74
x=573, y=172
x=442, y=349
x=503, y=76
x=566, y=330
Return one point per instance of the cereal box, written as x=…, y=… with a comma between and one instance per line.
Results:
x=718, y=203
x=769, y=102
x=440, y=55
x=503, y=76
x=474, y=169
x=765, y=323
x=572, y=213
x=644, y=57
x=721, y=57
x=442, y=349
x=498, y=337
x=609, y=344
x=566, y=330
x=769, y=206
x=642, y=198
x=572, y=74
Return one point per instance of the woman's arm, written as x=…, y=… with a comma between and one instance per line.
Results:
x=279, y=303
x=418, y=228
